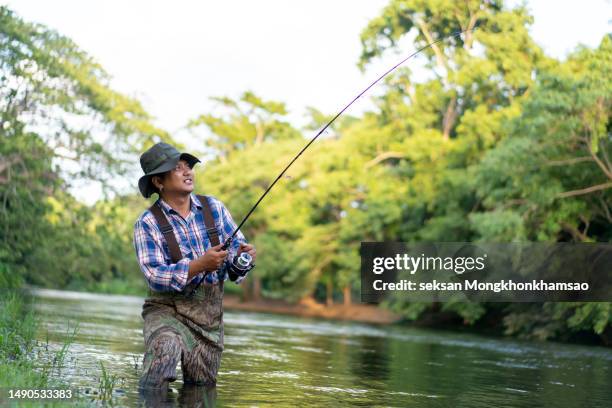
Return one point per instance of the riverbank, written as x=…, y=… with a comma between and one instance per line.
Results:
x=355, y=312
x=21, y=355
x=490, y=325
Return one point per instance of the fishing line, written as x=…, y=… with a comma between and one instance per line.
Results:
x=228, y=241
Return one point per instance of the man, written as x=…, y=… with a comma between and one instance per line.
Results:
x=183, y=315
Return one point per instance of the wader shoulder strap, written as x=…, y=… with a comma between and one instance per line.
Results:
x=213, y=236
x=166, y=229
x=209, y=221
x=168, y=232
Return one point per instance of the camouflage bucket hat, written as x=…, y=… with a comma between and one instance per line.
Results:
x=159, y=159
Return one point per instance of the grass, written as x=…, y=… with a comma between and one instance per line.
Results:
x=26, y=364
x=19, y=357
x=17, y=332
x=107, y=384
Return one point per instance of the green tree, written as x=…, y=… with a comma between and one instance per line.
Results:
x=60, y=122
x=478, y=73
x=553, y=174
x=247, y=133
x=435, y=129
x=245, y=122
x=551, y=180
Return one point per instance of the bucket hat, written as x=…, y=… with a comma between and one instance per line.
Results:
x=159, y=159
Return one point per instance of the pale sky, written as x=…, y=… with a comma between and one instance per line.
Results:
x=173, y=56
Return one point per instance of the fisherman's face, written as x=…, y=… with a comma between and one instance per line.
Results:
x=178, y=181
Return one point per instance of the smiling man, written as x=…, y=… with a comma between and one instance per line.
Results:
x=177, y=242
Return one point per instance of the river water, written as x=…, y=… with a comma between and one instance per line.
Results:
x=286, y=361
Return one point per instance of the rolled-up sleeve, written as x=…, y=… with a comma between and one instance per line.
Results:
x=161, y=277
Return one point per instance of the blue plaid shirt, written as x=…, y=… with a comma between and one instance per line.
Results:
x=154, y=256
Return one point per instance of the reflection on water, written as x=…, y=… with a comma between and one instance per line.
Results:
x=286, y=361
x=188, y=396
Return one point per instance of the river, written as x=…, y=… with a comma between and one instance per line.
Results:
x=287, y=361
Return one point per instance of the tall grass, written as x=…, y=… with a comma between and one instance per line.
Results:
x=17, y=338
x=20, y=367
x=108, y=383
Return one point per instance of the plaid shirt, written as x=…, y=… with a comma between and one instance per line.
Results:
x=154, y=256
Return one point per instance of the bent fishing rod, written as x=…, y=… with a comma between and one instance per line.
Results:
x=228, y=241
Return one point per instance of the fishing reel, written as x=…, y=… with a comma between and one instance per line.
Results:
x=240, y=266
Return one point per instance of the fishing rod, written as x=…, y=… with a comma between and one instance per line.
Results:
x=228, y=241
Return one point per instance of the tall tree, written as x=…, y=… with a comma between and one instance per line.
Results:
x=248, y=121
x=59, y=122
x=551, y=180
x=249, y=132
x=479, y=73
x=553, y=175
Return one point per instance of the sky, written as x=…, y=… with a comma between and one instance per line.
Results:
x=174, y=56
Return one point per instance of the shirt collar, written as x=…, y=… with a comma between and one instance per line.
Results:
x=196, y=205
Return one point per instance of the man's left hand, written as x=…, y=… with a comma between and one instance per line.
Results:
x=250, y=249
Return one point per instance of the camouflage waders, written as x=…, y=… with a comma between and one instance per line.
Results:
x=183, y=326
x=186, y=329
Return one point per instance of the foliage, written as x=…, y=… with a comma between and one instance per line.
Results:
x=61, y=124
x=528, y=146
x=23, y=363
x=245, y=122
x=498, y=142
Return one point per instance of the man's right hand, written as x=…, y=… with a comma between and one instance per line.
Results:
x=209, y=262
x=213, y=258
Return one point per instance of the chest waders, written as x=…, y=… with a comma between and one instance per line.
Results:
x=185, y=325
